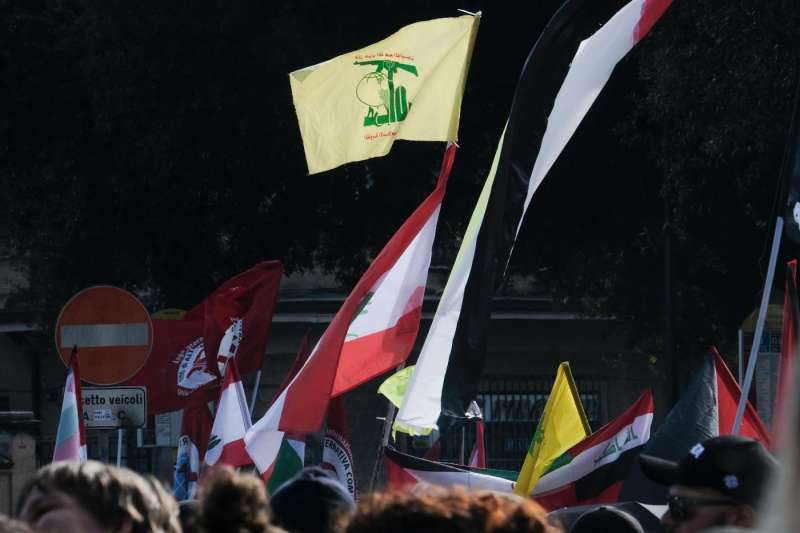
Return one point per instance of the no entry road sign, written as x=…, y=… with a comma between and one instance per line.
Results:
x=112, y=331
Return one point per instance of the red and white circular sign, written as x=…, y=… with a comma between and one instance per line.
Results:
x=112, y=331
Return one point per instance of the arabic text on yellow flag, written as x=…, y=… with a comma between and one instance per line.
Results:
x=562, y=425
x=407, y=86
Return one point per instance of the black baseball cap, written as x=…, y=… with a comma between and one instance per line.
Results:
x=735, y=466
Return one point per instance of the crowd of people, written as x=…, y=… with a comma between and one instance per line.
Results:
x=720, y=482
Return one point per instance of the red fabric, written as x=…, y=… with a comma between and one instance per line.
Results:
x=196, y=424
x=434, y=453
x=566, y=497
x=788, y=348
x=160, y=373
x=477, y=458
x=251, y=297
x=728, y=395
x=371, y=355
x=651, y=12
x=397, y=477
x=307, y=396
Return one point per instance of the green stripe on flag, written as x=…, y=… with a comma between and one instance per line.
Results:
x=287, y=464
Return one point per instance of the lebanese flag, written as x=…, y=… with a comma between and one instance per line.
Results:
x=477, y=458
x=593, y=471
x=226, y=444
x=728, y=395
x=301, y=407
x=791, y=315
x=336, y=454
x=196, y=425
x=386, y=322
x=404, y=470
x=236, y=316
x=71, y=434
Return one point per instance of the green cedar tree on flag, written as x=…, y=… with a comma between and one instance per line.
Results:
x=399, y=270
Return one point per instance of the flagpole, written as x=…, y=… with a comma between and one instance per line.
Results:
x=391, y=411
x=762, y=315
x=255, y=392
x=119, y=446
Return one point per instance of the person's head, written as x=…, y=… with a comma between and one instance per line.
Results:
x=718, y=483
x=96, y=497
x=231, y=501
x=608, y=519
x=311, y=501
x=440, y=510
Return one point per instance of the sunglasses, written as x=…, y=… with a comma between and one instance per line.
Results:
x=682, y=508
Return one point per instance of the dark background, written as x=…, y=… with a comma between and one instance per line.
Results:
x=154, y=146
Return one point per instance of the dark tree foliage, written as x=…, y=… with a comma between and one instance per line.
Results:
x=153, y=145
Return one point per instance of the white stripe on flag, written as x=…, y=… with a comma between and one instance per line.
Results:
x=105, y=335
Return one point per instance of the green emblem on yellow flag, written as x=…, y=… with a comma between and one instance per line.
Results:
x=562, y=425
x=407, y=86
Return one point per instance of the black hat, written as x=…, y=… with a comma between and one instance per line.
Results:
x=608, y=519
x=310, y=501
x=735, y=466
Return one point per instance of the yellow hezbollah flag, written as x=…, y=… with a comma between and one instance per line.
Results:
x=563, y=424
x=407, y=86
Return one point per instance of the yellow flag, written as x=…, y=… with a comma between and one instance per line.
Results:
x=562, y=425
x=394, y=387
x=407, y=86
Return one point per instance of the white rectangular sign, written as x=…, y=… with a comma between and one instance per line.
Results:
x=114, y=407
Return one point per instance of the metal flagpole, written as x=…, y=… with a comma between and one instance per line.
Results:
x=255, y=393
x=762, y=315
x=119, y=446
x=387, y=430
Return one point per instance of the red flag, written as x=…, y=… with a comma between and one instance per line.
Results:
x=728, y=394
x=791, y=314
x=336, y=454
x=179, y=372
x=238, y=316
x=477, y=458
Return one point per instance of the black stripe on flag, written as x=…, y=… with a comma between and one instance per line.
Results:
x=541, y=78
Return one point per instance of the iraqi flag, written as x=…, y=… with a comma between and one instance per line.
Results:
x=336, y=454
x=71, y=435
x=233, y=320
x=593, y=470
x=196, y=425
x=404, y=470
x=566, y=70
x=301, y=407
x=226, y=443
x=705, y=409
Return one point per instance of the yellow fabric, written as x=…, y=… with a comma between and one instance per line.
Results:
x=394, y=388
x=562, y=425
x=409, y=86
